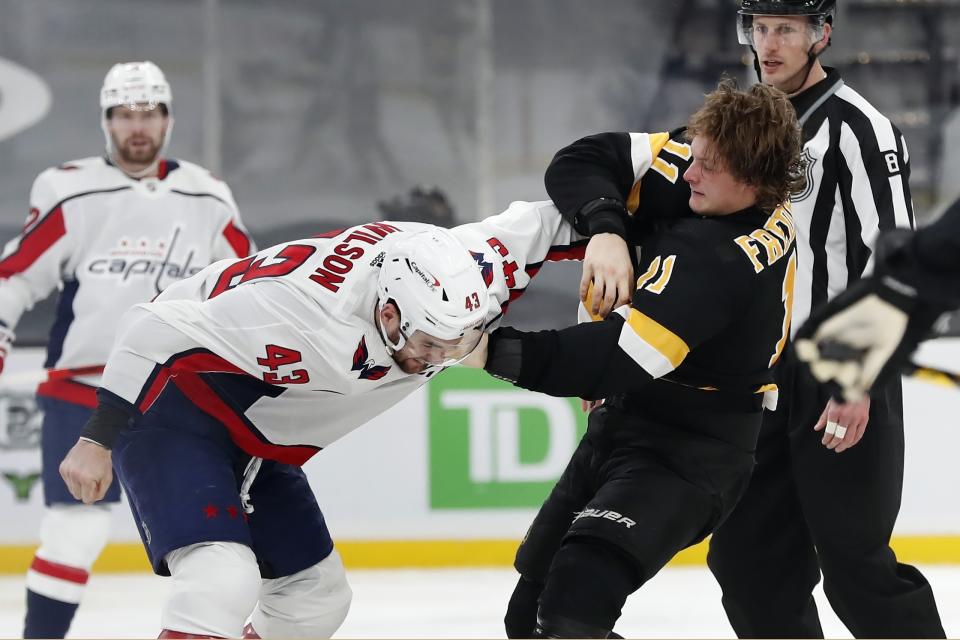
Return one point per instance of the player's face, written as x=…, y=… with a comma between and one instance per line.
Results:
x=421, y=350
x=714, y=191
x=137, y=133
x=782, y=44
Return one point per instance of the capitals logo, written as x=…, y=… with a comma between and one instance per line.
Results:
x=361, y=363
x=486, y=268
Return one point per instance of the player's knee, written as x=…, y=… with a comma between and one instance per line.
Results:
x=215, y=587
x=521, y=617
x=587, y=586
x=74, y=534
x=720, y=561
x=312, y=603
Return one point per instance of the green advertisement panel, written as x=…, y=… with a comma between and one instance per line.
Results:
x=493, y=445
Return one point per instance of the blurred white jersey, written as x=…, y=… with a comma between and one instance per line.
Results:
x=110, y=241
x=281, y=347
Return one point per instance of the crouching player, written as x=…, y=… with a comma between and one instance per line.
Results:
x=216, y=393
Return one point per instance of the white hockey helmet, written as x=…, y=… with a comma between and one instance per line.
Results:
x=135, y=85
x=441, y=296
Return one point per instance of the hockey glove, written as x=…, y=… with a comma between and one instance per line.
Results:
x=865, y=334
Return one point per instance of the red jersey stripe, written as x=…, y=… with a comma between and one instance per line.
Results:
x=69, y=391
x=34, y=243
x=238, y=240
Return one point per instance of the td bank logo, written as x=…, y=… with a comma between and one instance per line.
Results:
x=493, y=445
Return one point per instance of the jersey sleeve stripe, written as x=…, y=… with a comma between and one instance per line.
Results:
x=641, y=153
x=237, y=239
x=651, y=345
x=34, y=244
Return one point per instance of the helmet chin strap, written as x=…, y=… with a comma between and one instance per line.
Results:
x=391, y=346
x=808, y=67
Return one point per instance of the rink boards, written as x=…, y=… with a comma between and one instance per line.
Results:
x=453, y=475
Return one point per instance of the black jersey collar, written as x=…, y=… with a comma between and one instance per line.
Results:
x=809, y=100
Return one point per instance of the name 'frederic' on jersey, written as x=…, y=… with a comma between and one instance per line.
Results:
x=334, y=268
x=775, y=238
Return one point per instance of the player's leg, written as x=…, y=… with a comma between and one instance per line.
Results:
x=657, y=497
x=762, y=554
x=72, y=534
x=851, y=501
x=181, y=474
x=542, y=540
x=215, y=586
x=305, y=593
x=603, y=560
x=311, y=603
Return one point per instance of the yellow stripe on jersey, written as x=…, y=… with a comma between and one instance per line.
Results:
x=651, y=345
x=644, y=148
x=633, y=200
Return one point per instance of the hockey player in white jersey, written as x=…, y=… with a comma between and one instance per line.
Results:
x=110, y=231
x=235, y=377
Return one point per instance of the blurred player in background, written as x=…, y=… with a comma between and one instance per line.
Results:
x=865, y=334
x=808, y=510
x=108, y=231
x=219, y=390
x=421, y=205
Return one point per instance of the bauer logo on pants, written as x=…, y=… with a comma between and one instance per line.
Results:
x=493, y=445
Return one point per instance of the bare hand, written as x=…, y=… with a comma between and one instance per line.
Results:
x=589, y=405
x=606, y=264
x=843, y=423
x=478, y=357
x=88, y=471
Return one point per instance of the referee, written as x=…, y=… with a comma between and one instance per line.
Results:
x=808, y=510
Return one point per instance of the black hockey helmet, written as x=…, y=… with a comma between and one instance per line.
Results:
x=820, y=12
x=787, y=7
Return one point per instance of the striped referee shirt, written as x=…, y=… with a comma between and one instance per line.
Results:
x=857, y=185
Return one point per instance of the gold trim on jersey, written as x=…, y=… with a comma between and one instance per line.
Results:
x=644, y=149
x=651, y=345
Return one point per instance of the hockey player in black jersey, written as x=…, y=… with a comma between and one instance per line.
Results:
x=864, y=335
x=685, y=367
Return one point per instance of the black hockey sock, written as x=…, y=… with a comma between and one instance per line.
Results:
x=46, y=617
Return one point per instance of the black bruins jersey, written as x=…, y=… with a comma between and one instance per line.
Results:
x=711, y=312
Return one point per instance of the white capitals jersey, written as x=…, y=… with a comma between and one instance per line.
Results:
x=110, y=241
x=282, y=347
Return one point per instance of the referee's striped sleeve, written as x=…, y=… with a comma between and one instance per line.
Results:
x=873, y=150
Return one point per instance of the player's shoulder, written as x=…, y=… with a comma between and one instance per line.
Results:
x=84, y=175
x=192, y=179
x=849, y=105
